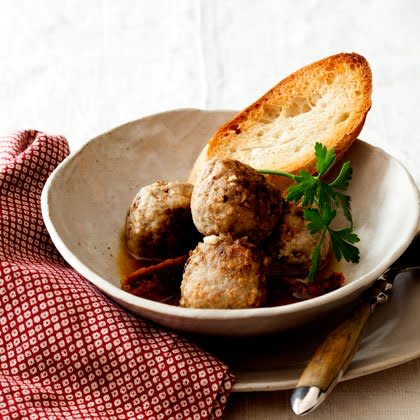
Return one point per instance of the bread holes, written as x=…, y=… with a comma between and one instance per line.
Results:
x=277, y=134
x=236, y=129
x=343, y=117
x=330, y=78
x=270, y=113
x=298, y=106
x=297, y=148
x=313, y=100
x=231, y=149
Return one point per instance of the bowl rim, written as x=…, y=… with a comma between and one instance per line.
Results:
x=199, y=313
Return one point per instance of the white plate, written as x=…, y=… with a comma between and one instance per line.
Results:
x=275, y=362
x=84, y=203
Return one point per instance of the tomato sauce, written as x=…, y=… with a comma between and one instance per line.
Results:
x=164, y=285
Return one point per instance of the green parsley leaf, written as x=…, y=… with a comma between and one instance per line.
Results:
x=343, y=201
x=324, y=194
x=324, y=158
x=315, y=258
x=309, y=196
x=304, y=189
x=316, y=223
x=295, y=193
x=327, y=215
x=321, y=201
x=343, y=178
x=348, y=235
x=342, y=241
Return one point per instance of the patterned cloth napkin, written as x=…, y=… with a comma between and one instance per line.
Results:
x=66, y=350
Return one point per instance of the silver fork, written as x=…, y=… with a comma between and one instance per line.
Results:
x=333, y=356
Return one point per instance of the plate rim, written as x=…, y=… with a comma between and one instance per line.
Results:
x=208, y=314
x=283, y=385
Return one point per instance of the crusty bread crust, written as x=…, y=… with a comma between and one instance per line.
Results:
x=326, y=101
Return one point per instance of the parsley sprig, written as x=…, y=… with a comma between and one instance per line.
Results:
x=321, y=201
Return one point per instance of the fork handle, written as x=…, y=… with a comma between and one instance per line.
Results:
x=330, y=361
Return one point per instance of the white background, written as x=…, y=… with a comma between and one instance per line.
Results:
x=79, y=68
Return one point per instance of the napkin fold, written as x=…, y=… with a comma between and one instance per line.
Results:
x=66, y=350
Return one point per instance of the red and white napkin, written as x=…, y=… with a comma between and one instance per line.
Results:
x=66, y=350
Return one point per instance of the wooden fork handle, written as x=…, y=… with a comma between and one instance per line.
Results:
x=330, y=361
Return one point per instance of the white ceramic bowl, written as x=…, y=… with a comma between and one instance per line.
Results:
x=84, y=203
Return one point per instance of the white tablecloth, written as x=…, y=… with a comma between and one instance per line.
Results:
x=79, y=68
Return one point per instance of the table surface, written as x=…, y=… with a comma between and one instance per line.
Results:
x=80, y=68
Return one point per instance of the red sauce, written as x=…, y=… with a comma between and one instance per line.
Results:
x=287, y=290
x=278, y=293
x=164, y=285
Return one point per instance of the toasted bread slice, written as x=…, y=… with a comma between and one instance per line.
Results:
x=326, y=102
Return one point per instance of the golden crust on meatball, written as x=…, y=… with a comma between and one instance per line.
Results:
x=292, y=243
x=159, y=223
x=232, y=198
x=224, y=272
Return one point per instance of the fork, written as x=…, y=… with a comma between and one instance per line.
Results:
x=335, y=353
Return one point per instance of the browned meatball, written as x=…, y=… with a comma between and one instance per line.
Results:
x=292, y=244
x=231, y=197
x=159, y=223
x=224, y=272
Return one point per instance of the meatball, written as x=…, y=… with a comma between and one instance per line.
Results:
x=233, y=198
x=159, y=223
x=292, y=244
x=224, y=272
